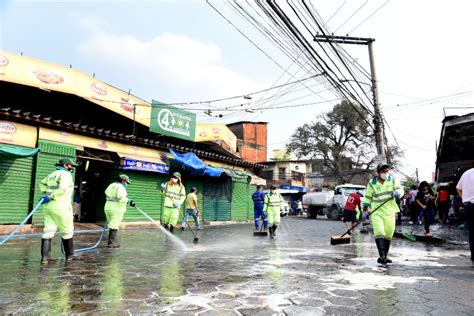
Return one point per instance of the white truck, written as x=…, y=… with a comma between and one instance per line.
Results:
x=330, y=203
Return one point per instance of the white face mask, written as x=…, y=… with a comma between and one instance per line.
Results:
x=174, y=180
x=384, y=176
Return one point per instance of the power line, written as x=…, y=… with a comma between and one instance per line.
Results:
x=372, y=14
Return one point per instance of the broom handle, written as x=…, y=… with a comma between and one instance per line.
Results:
x=184, y=219
x=350, y=229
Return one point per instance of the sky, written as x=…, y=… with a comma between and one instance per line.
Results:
x=185, y=51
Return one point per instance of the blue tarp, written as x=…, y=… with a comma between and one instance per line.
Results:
x=195, y=166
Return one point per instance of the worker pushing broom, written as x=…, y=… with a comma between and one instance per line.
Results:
x=379, y=198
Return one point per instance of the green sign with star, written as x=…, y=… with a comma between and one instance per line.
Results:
x=172, y=121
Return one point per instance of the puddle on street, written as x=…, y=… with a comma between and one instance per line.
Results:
x=228, y=271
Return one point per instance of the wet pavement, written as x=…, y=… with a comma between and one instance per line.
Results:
x=230, y=272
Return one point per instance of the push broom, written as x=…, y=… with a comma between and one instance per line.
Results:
x=345, y=238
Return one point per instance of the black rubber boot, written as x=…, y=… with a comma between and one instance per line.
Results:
x=274, y=229
x=380, y=242
x=68, y=246
x=270, y=230
x=171, y=229
x=46, y=251
x=387, y=248
x=113, y=240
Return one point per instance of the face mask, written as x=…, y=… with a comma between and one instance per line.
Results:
x=125, y=184
x=174, y=180
x=384, y=176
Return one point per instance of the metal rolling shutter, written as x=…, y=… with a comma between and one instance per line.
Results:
x=199, y=187
x=239, y=201
x=217, y=200
x=252, y=189
x=49, y=154
x=16, y=177
x=145, y=190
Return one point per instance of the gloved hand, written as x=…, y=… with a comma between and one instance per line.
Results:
x=132, y=203
x=163, y=186
x=46, y=199
x=176, y=204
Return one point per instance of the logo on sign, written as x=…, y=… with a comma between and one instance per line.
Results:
x=7, y=128
x=98, y=88
x=3, y=60
x=173, y=122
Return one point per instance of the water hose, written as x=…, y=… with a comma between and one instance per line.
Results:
x=22, y=223
x=93, y=246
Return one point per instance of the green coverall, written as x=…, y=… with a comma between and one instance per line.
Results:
x=116, y=204
x=175, y=195
x=274, y=202
x=383, y=220
x=58, y=212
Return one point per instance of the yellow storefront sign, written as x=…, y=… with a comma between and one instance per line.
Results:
x=216, y=133
x=36, y=73
x=18, y=134
x=123, y=149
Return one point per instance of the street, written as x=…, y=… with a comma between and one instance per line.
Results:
x=230, y=272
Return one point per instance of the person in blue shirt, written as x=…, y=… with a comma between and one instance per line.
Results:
x=258, y=200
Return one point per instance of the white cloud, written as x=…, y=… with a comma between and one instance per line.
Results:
x=181, y=67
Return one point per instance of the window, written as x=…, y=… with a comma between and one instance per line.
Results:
x=282, y=173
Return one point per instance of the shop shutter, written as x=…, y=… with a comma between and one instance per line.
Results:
x=239, y=201
x=145, y=190
x=199, y=186
x=49, y=154
x=16, y=177
x=217, y=203
x=252, y=189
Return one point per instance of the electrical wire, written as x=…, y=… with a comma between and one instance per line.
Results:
x=371, y=15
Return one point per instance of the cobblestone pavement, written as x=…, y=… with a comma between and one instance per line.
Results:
x=230, y=272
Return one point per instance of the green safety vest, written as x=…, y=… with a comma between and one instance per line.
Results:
x=60, y=187
x=116, y=197
x=174, y=193
x=273, y=202
x=377, y=193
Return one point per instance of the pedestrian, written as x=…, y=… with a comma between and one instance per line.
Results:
x=274, y=202
x=299, y=205
x=425, y=201
x=413, y=208
x=350, y=210
x=192, y=209
x=379, y=190
x=443, y=203
x=175, y=195
x=57, y=189
x=116, y=206
x=258, y=198
x=465, y=189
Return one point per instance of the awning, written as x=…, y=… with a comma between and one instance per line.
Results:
x=294, y=188
x=257, y=180
x=17, y=152
x=191, y=163
x=236, y=175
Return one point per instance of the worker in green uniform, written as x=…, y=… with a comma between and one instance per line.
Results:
x=174, y=193
x=116, y=206
x=380, y=189
x=57, y=189
x=273, y=203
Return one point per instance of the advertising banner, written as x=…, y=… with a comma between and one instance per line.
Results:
x=171, y=121
x=132, y=164
x=216, y=133
x=51, y=77
x=18, y=134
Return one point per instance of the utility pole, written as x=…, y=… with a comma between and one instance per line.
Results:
x=378, y=120
x=417, y=179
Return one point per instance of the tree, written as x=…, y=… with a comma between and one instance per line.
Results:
x=341, y=138
x=408, y=182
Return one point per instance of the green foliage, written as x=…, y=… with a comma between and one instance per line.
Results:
x=408, y=182
x=340, y=137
